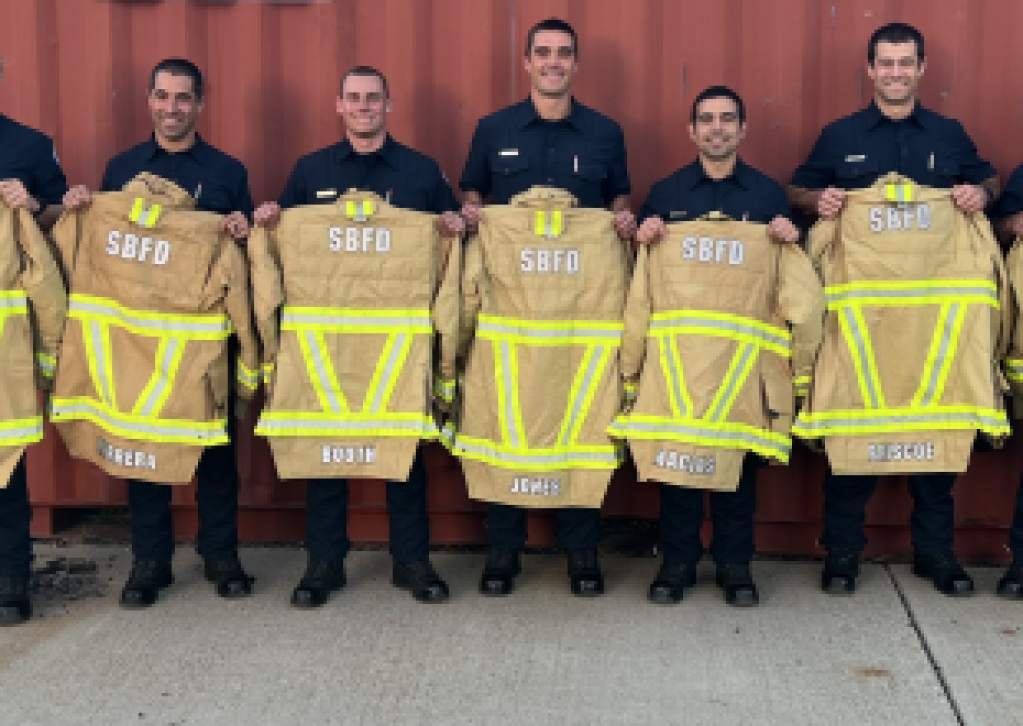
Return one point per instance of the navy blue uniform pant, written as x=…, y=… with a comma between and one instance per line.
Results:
x=845, y=501
x=407, y=512
x=1016, y=533
x=15, y=516
x=578, y=528
x=731, y=513
x=152, y=531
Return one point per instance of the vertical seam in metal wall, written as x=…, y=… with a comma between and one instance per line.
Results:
x=511, y=49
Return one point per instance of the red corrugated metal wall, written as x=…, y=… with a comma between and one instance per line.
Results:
x=78, y=70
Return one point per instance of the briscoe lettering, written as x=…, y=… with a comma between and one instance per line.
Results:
x=359, y=239
x=883, y=453
x=544, y=260
x=708, y=249
x=687, y=463
x=540, y=487
x=141, y=249
x=126, y=457
x=349, y=454
x=903, y=218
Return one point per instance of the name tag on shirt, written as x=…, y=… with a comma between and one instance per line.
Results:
x=856, y=157
x=508, y=152
x=326, y=193
x=677, y=215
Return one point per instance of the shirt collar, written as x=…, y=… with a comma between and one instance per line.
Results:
x=693, y=175
x=388, y=152
x=197, y=151
x=875, y=117
x=527, y=115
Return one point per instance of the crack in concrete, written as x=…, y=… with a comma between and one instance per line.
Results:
x=938, y=672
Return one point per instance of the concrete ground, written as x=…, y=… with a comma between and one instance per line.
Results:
x=896, y=653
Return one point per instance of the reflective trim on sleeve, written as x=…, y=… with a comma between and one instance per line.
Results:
x=248, y=377
x=1014, y=369
x=22, y=431
x=801, y=384
x=46, y=363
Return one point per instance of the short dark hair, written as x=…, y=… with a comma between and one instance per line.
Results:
x=719, y=92
x=556, y=24
x=179, y=67
x=896, y=33
x=366, y=72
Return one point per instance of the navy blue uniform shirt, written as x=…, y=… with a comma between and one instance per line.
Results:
x=514, y=149
x=1011, y=201
x=745, y=195
x=28, y=156
x=852, y=152
x=404, y=177
x=218, y=182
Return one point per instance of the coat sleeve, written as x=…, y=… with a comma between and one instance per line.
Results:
x=801, y=303
x=446, y=321
x=471, y=295
x=820, y=243
x=637, y=322
x=238, y=302
x=66, y=234
x=267, y=296
x=47, y=296
x=1014, y=357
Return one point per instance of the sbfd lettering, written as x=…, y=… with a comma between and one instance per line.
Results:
x=360, y=239
x=708, y=249
x=349, y=454
x=545, y=260
x=686, y=463
x=885, y=453
x=538, y=487
x=142, y=249
x=126, y=457
x=904, y=218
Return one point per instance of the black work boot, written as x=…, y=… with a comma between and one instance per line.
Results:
x=942, y=569
x=670, y=583
x=229, y=577
x=146, y=580
x=1011, y=584
x=841, y=568
x=15, y=607
x=499, y=571
x=736, y=580
x=584, y=573
x=321, y=578
x=421, y=580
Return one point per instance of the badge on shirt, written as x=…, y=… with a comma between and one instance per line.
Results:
x=856, y=157
x=677, y=215
x=508, y=152
x=326, y=193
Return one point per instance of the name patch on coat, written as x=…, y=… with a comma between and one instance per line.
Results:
x=126, y=457
x=359, y=239
x=130, y=246
x=538, y=487
x=544, y=260
x=687, y=463
x=718, y=251
x=885, y=453
x=349, y=454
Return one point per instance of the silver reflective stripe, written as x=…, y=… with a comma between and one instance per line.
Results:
x=509, y=393
x=359, y=321
x=162, y=372
x=271, y=425
x=939, y=361
x=17, y=301
x=138, y=430
x=502, y=329
x=860, y=351
x=676, y=377
x=218, y=324
x=872, y=422
x=325, y=384
x=596, y=359
x=924, y=292
x=100, y=354
x=745, y=438
x=21, y=432
x=392, y=363
x=566, y=459
x=729, y=326
x=747, y=354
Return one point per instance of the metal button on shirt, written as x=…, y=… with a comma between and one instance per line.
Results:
x=853, y=152
x=28, y=156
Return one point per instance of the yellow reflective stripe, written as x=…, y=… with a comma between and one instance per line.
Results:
x=321, y=372
x=16, y=432
x=540, y=224
x=138, y=428
x=146, y=322
x=46, y=363
x=350, y=208
x=385, y=374
x=153, y=216
x=944, y=344
x=584, y=386
x=505, y=370
x=248, y=377
x=95, y=336
x=137, y=208
x=738, y=371
x=12, y=302
x=351, y=424
x=512, y=361
x=353, y=320
x=581, y=374
x=953, y=348
x=722, y=435
x=726, y=325
x=898, y=420
x=154, y=396
x=359, y=210
x=443, y=389
x=901, y=192
x=671, y=367
x=604, y=457
x=911, y=292
x=268, y=371
x=801, y=384
x=854, y=330
x=590, y=391
x=549, y=332
x=1014, y=369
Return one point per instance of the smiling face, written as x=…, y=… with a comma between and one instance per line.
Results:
x=717, y=130
x=363, y=106
x=173, y=106
x=896, y=73
x=551, y=63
